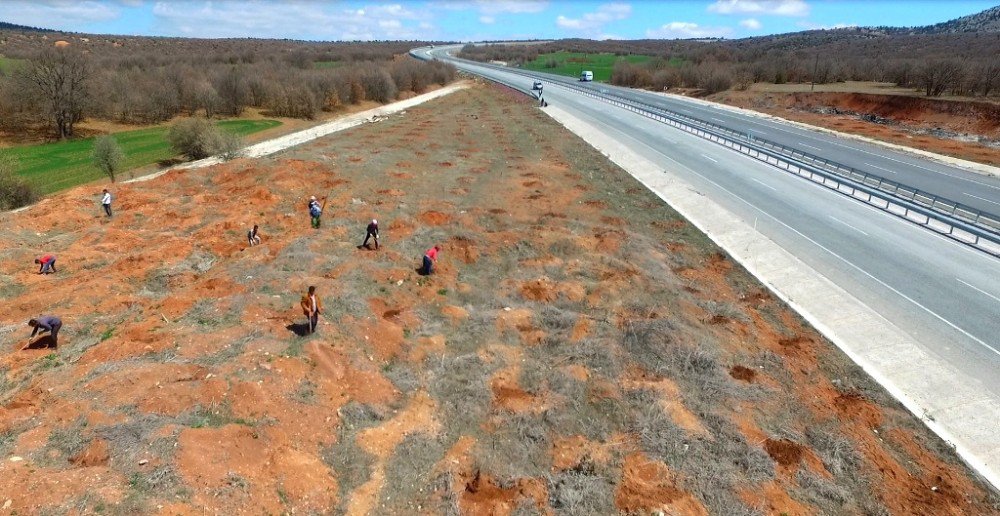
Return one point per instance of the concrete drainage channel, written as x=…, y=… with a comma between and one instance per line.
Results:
x=969, y=226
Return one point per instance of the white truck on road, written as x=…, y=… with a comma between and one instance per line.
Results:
x=586, y=76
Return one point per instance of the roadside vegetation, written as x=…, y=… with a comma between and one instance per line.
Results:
x=51, y=81
x=51, y=167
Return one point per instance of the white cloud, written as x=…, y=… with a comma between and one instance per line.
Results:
x=751, y=23
x=57, y=14
x=687, y=30
x=767, y=7
x=511, y=6
x=493, y=7
x=605, y=14
x=292, y=19
x=808, y=25
x=487, y=19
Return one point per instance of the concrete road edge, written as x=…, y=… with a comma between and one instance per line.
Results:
x=937, y=393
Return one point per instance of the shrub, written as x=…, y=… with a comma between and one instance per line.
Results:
x=195, y=138
x=230, y=146
x=14, y=191
x=108, y=155
x=715, y=81
x=378, y=85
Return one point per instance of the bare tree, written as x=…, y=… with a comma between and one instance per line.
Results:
x=938, y=76
x=989, y=78
x=59, y=78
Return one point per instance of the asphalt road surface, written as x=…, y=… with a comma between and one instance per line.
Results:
x=946, y=296
x=951, y=182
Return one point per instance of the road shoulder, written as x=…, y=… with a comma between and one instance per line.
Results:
x=938, y=394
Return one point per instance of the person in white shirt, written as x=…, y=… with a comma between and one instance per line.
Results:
x=106, y=202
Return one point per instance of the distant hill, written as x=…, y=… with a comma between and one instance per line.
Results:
x=986, y=21
x=13, y=26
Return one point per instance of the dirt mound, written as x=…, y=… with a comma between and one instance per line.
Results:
x=435, y=218
x=742, y=373
x=541, y=289
x=648, y=486
x=783, y=451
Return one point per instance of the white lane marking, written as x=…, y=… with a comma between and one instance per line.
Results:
x=890, y=218
x=981, y=199
x=763, y=183
x=810, y=146
x=713, y=160
x=880, y=168
x=817, y=244
x=855, y=267
x=848, y=225
x=985, y=293
x=718, y=119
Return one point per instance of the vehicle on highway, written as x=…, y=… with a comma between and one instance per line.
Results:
x=537, y=86
x=586, y=76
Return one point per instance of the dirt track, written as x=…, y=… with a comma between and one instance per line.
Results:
x=581, y=347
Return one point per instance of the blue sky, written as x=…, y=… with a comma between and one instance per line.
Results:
x=474, y=20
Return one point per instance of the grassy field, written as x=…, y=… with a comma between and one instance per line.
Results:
x=60, y=165
x=572, y=63
x=7, y=64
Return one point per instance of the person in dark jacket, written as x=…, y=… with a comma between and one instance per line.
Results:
x=45, y=323
x=315, y=212
x=371, y=232
x=253, y=237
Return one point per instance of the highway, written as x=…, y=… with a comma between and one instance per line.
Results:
x=944, y=295
x=952, y=182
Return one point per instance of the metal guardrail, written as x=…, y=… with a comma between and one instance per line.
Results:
x=873, y=190
x=986, y=220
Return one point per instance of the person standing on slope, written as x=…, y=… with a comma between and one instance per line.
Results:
x=430, y=257
x=311, y=307
x=47, y=264
x=315, y=211
x=45, y=323
x=371, y=232
x=106, y=202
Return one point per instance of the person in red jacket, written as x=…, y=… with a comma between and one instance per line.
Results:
x=47, y=264
x=430, y=257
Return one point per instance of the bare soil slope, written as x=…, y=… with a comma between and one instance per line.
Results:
x=581, y=349
x=964, y=129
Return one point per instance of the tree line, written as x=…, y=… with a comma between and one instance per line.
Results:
x=58, y=87
x=954, y=63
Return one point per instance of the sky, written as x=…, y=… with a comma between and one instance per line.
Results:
x=474, y=20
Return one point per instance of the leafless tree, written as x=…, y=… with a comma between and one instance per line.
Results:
x=989, y=77
x=937, y=76
x=59, y=78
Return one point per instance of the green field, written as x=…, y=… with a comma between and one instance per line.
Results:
x=7, y=64
x=56, y=166
x=572, y=63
